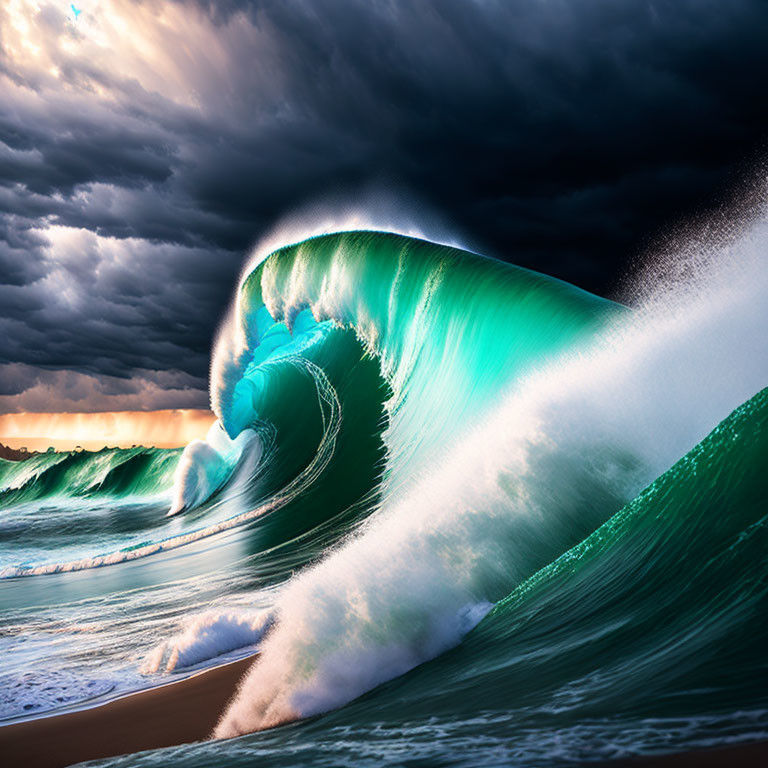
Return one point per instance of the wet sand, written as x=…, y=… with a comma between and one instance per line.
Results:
x=188, y=710
x=161, y=717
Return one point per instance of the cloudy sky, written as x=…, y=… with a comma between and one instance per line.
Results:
x=147, y=145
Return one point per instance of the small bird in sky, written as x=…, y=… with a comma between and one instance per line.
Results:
x=76, y=11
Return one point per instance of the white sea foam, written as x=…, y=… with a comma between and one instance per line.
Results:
x=30, y=693
x=206, y=637
x=205, y=465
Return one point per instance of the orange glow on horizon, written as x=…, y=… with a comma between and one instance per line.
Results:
x=93, y=431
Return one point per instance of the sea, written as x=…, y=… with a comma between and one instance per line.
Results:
x=465, y=513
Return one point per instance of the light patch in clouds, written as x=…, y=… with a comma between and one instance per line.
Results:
x=64, y=431
x=72, y=391
x=121, y=48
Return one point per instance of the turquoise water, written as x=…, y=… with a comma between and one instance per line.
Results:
x=469, y=514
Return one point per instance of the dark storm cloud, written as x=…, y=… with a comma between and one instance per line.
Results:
x=558, y=135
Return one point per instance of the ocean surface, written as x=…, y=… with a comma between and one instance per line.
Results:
x=468, y=514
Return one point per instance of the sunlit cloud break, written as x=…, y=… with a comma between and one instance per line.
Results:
x=65, y=431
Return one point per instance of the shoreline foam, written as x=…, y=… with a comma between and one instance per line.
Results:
x=177, y=713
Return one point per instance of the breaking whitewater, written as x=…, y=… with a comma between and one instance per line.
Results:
x=466, y=512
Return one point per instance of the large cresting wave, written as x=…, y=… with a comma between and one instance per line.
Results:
x=522, y=413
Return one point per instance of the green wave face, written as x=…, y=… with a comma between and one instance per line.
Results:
x=109, y=472
x=77, y=504
x=659, y=612
x=451, y=330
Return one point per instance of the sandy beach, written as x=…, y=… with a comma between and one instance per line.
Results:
x=187, y=711
x=176, y=713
